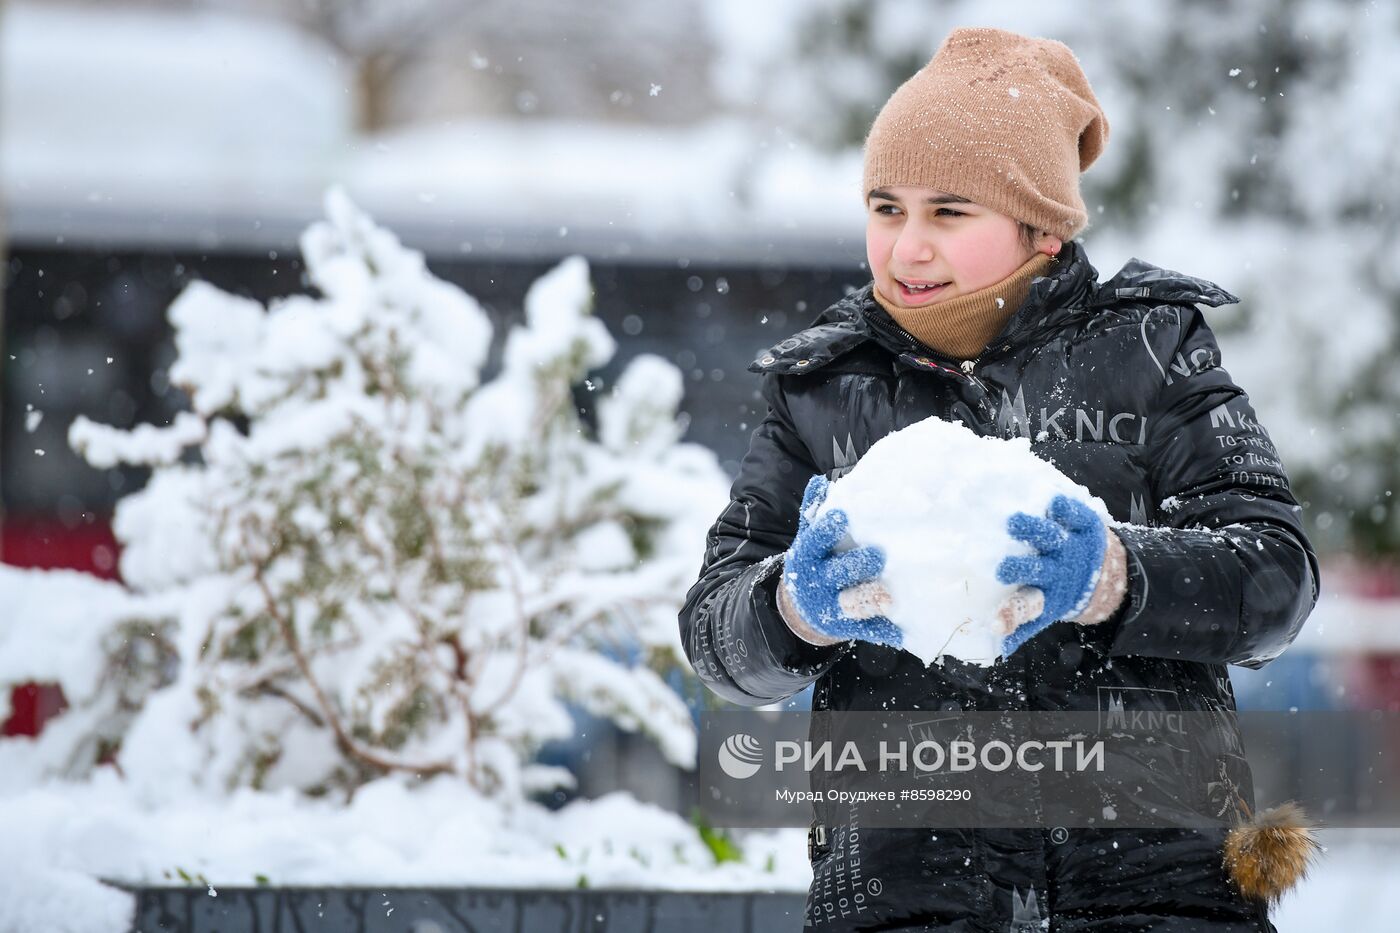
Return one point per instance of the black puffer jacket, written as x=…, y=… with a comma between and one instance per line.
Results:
x=1120, y=385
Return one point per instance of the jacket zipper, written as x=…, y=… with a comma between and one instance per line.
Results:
x=967, y=367
x=912, y=345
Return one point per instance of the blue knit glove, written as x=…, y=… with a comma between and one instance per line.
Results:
x=814, y=576
x=1069, y=544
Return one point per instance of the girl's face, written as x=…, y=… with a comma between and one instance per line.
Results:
x=925, y=237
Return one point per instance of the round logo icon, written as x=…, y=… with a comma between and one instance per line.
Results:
x=874, y=886
x=1059, y=835
x=740, y=756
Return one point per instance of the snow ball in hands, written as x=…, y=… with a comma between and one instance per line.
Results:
x=936, y=498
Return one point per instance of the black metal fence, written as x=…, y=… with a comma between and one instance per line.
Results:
x=449, y=910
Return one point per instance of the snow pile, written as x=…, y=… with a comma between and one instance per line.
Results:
x=62, y=836
x=55, y=900
x=936, y=497
x=395, y=831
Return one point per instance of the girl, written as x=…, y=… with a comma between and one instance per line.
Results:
x=983, y=308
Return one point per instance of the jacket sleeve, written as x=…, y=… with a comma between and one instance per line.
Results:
x=1231, y=577
x=736, y=641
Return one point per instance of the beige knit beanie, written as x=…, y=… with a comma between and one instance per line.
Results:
x=1001, y=119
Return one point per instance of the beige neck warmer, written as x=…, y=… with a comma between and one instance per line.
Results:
x=961, y=327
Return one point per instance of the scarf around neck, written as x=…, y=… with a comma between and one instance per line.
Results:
x=961, y=327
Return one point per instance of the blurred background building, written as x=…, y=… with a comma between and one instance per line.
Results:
x=704, y=157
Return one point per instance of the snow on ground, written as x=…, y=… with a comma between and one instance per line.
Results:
x=60, y=837
x=1350, y=888
x=135, y=108
x=229, y=128
x=511, y=172
x=440, y=833
x=38, y=897
x=968, y=486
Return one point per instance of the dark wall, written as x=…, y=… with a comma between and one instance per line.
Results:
x=85, y=333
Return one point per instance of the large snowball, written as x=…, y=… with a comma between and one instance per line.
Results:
x=936, y=497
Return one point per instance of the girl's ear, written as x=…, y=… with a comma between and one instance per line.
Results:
x=1048, y=243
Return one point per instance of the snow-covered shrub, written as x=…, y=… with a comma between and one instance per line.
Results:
x=380, y=563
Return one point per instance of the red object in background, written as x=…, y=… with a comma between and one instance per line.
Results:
x=31, y=706
x=1366, y=579
x=1375, y=675
x=45, y=543
x=1376, y=682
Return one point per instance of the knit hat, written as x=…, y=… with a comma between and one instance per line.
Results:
x=1001, y=119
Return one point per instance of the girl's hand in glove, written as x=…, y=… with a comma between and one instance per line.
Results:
x=1078, y=573
x=827, y=596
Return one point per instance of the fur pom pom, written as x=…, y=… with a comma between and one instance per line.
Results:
x=1270, y=853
